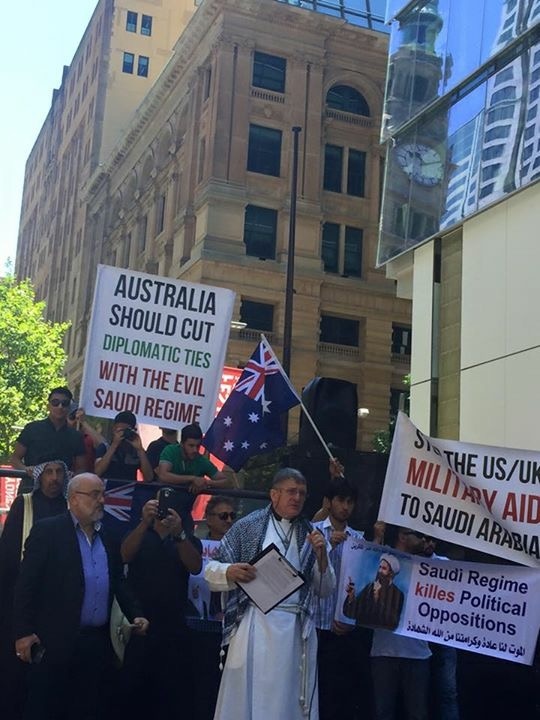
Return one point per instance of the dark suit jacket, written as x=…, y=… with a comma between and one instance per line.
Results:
x=50, y=589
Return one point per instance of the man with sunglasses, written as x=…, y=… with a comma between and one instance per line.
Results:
x=68, y=578
x=50, y=439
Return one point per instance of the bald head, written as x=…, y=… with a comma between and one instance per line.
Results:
x=86, y=498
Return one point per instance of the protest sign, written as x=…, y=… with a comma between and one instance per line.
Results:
x=482, y=497
x=202, y=603
x=156, y=347
x=488, y=609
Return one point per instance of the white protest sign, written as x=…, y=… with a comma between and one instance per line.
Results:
x=156, y=346
x=202, y=603
x=485, y=498
x=489, y=609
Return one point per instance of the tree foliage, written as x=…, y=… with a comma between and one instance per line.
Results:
x=31, y=359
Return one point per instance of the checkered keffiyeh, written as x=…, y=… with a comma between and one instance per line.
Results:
x=37, y=472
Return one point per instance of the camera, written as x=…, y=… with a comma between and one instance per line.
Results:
x=129, y=434
x=165, y=498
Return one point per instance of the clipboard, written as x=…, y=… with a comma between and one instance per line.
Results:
x=276, y=580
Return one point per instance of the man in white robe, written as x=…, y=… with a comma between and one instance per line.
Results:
x=271, y=667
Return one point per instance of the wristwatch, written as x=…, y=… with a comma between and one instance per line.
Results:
x=182, y=535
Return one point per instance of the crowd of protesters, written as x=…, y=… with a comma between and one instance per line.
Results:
x=61, y=578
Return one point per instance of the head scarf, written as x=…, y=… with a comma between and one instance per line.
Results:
x=37, y=472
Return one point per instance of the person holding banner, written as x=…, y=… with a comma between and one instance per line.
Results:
x=399, y=664
x=271, y=667
x=341, y=670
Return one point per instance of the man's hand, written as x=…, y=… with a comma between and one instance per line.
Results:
x=117, y=437
x=140, y=626
x=149, y=512
x=23, y=647
x=339, y=628
x=136, y=442
x=318, y=543
x=173, y=522
x=336, y=468
x=198, y=484
x=337, y=537
x=240, y=572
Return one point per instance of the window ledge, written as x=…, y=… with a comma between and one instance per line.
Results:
x=334, y=349
x=267, y=95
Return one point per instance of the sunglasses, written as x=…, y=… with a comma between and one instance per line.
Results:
x=225, y=515
x=56, y=403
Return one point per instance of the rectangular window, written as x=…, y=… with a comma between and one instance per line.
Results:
x=401, y=340
x=339, y=330
x=330, y=247
x=269, y=72
x=257, y=315
x=356, y=173
x=264, y=150
x=333, y=163
x=128, y=62
x=160, y=214
x=131, y=21
x=260, y=227
x=352, y=257
x=146, y=25
x=207, y=80
x=142, y=67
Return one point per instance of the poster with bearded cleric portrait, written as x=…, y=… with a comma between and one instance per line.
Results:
x=156, y=346
x=487, y=609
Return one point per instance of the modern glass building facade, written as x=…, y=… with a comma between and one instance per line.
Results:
x=365, y=13
x=461, y=117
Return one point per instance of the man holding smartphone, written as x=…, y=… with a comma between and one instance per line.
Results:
x=125, y=455
x=160, y=555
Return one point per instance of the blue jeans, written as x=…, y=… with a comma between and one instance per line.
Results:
x=443, y=670
x=395, y=678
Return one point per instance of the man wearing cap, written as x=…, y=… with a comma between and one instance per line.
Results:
x=380, y=602
x=45, y=500
x=49, y=439
x=125, y=455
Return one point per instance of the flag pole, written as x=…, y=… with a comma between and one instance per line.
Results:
x=304, y=409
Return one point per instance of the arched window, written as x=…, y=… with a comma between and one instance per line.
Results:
x=343, y=97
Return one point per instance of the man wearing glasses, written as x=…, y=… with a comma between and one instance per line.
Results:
x=63, y=599
x=271, y=667
x=50, y=439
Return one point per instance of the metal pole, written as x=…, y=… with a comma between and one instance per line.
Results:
x=289, y=286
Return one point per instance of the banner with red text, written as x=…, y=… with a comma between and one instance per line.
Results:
x=482, y=497
x=488, y=609
x=156, y=346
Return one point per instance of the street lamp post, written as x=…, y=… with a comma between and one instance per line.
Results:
x=289, y=286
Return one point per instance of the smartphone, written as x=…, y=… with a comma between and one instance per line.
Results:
x=37, y=651
x=164, y=502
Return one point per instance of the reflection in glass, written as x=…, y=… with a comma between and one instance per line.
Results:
x=487, y=144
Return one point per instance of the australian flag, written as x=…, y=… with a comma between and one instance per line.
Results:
x=249, y=423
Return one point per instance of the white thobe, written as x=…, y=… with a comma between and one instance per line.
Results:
x=271, y=670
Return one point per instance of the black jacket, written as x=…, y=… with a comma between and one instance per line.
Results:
x=50, y=589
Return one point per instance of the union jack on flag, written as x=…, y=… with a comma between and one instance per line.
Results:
x=263, y=362
x=249, y=422
x=118, y=501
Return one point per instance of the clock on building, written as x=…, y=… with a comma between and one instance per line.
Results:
x=421, y=163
